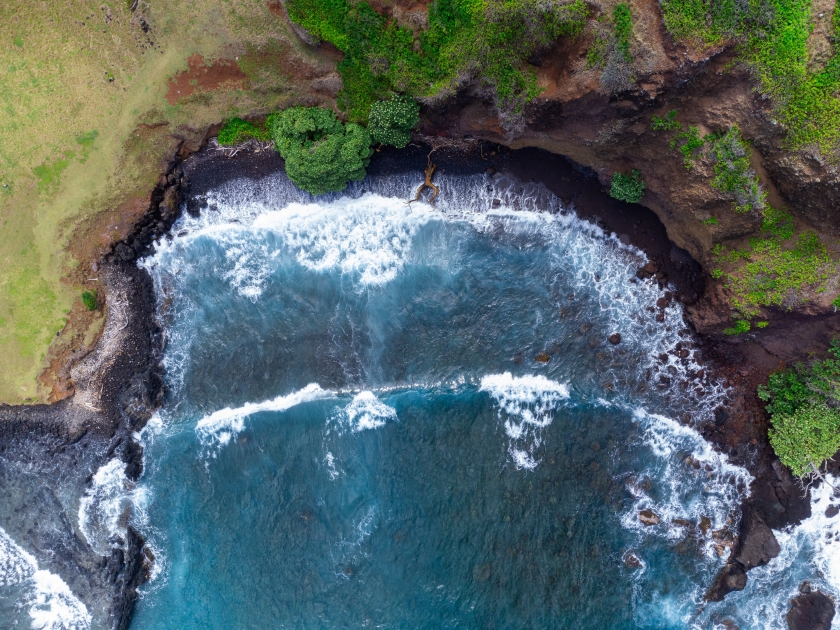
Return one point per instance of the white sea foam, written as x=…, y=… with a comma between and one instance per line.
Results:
x=221, y=426
x=526, y=404
x=107, y=506
x=366, y=412
x=808, y=551
x=370, y=236
x=52, y=605
x=688, y=480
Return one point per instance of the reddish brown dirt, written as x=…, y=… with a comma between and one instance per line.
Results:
x=201, y=76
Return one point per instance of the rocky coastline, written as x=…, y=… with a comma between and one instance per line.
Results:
x=119, y=385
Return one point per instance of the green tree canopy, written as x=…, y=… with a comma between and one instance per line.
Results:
x=322, y=154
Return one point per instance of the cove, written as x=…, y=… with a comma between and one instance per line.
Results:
x=383, y=415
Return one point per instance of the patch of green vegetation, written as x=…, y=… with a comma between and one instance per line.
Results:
x=741, y=326
x=779, y=272
x=762, y=324
x=89, y=300
x=236, y=131
x=623, y=29
x=18, y=42
x=731, y=157
x=717, y=273
x=773, y=39
x=610, y=49
x=836, y=302
x=391, y=121
x=49, y=173
x=629, y=188
x=668, y=123
x=86, y=140
x=688, y=143
x=486, y=41
x=711, y=221
x=804, y=404
x=778, y=223
x=322, y=154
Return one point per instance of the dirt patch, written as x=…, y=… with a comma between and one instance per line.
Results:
x=201, y=76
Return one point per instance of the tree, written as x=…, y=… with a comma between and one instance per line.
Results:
x=322, y=154
x=806, y=438
x=391, y=121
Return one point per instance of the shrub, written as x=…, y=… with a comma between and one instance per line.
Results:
x=391, y=121
x=731, y=157
x=668, y=123
x=688, y=143
x=762, y=324
x=836, y=302
x=806, y=438
x=236, y=131
x=89, y=300
x=629, y=188
x=741, y=326
x=710, y=221
x=322, y=154
x=623, y=29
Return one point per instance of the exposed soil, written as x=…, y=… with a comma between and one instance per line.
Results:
x=201, y=76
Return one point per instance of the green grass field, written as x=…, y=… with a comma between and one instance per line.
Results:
x=76, y=80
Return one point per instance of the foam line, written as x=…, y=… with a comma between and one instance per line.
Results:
x=221, y=426
x=52, y=605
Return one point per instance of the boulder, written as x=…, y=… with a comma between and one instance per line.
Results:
x=810, y=610
x=614, y=339
x=649, y=517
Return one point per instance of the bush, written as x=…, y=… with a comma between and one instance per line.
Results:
x=806, y=438
x=741, y=326
x=668, y=123
x=89, y=300
x=629, y=188
x=391, y=121
x=731, y=157
x=322, y=154
x=688, y=143
x=236, y=131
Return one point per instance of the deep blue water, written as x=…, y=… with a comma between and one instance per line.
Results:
x=361, y=429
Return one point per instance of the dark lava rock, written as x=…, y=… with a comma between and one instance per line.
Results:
x=810, y=610
x=542, y=357
x=631, y=560
x=662, y=302
x=831, y=511
x=756, y=546
x=614, y=339
x=649, y=517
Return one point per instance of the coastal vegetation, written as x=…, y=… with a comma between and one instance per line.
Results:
x=236, y=131
x=610, y=51
x=322, y=153
x=391, y=122
x=629, y=188
x=458, y=40
x=89, y=300
x=804, y=406
x=772, y=38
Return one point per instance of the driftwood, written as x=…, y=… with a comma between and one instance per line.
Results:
x=429, y=173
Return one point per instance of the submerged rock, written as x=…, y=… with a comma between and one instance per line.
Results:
x=542, y=357
x=810, y=610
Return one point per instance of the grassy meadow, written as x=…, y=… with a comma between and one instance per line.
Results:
x=85, y=128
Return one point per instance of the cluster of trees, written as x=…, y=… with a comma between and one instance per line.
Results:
x=804, y=405
x=322, y=153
